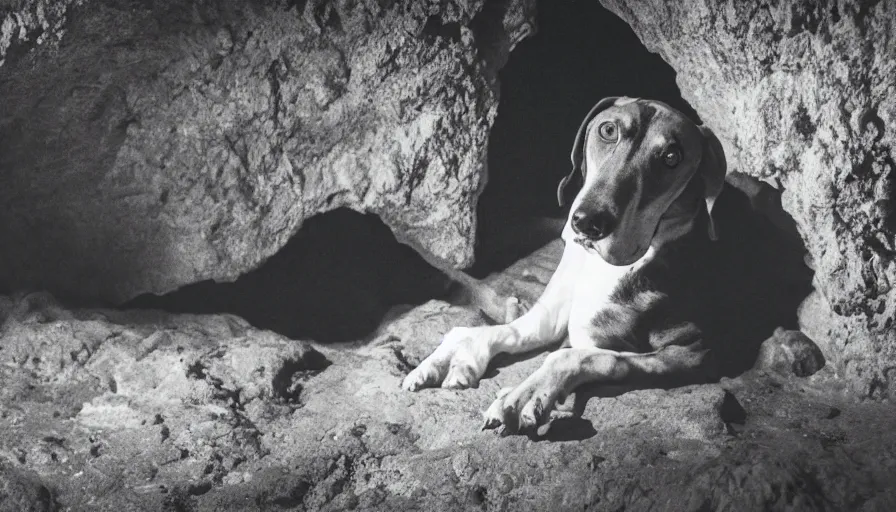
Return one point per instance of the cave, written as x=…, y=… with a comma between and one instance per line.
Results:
x=231, y=232
x=318, y=285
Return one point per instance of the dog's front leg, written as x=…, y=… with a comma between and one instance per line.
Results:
x=528, y=406
x=463, y=356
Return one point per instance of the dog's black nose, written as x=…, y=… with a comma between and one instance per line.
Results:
x=596, y=225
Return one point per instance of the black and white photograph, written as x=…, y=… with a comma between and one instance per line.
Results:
x=447, y=255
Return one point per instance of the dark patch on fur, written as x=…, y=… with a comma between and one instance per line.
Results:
x=647, y=113
x=617, y=327
x=637, y=131
x=609, y=194
x=625, y=188
x=727, y=296
x=684, y=334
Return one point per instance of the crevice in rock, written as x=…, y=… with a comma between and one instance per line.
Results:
x=287, y=382
x=435, y=28
x=293, y=497
x=488, y=30
x=731, y=411
x=334, y=281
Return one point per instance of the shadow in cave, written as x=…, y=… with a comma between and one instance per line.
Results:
x=580, y=54
x=334, y=281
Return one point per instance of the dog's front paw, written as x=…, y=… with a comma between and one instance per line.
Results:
x=459, y=362
x=527, y=407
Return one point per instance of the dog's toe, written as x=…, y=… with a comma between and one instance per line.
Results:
x=460, y=376
x=504, y=411
x=531, y=413
x=424, y=375
x=490, y=423
x=525, y=408
x=454, y=381
x=413, y=382
x=494, y=415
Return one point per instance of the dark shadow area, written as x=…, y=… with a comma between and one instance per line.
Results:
x=334, y=281
x=580, y=54
x=756, y=278
x=572, y=428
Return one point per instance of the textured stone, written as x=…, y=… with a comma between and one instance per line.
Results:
x=144, y=410
x=192, y=140
x=141, y=409
x=802, y=95
x=790, y=352
x=28, y=22
x=22, y=491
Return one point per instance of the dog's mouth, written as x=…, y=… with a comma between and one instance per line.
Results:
x=585, y=242
x=591, y=246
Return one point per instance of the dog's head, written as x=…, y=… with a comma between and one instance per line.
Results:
x=645, y=168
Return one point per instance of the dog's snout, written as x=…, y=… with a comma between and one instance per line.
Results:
x=595, y=225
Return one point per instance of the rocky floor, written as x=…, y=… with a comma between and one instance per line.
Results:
x=141, y=410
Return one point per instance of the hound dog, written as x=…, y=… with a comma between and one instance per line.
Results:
x=626, y=291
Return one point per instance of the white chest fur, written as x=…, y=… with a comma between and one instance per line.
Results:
x=595, y=282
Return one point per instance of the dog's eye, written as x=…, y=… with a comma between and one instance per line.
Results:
x=607, y=131
x=672, y=156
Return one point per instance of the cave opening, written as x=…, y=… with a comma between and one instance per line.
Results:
x=334, y=281
x=580, y=53
x=343, y=272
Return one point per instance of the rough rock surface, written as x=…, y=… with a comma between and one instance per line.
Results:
x=802, y=95
x=190, y=141
x=142, y=410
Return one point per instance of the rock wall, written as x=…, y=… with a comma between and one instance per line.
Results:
x=147, y=145
x=802, y=95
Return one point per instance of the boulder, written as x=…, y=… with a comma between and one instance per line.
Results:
x=148, y=145
x=802, y=96
x=790, y=352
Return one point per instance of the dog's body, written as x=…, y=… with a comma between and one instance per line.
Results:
x=633, y=292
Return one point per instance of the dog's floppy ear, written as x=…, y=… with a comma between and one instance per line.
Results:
x=712, y=170
x=578, y=154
